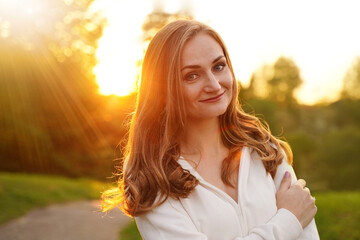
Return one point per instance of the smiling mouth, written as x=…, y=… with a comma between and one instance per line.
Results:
x=213, y=99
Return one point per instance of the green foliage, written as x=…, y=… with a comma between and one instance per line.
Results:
x=337, y=158
x=325, y=139
x=264, y=109
x=158, y=18
x=285, y=80
x=51, y=116
x=277, y=82
x=344, y=113
x=351, y=86
x=20, y=193
x=302, y=145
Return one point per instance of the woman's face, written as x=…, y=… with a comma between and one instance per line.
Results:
x=206, y=78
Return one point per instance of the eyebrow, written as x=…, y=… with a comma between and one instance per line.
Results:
x=197, y=66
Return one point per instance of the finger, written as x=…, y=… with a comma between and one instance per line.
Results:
x=286, y=182
x=301, y=183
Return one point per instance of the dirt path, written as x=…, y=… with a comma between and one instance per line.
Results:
x=70, y=221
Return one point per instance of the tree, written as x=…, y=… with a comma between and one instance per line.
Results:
x=48, y=92
x=271, y=93
x=159, y=18
x=337, y=161
x=351, y=84
x=259, y=86
x=276, y=82
x=285, y=80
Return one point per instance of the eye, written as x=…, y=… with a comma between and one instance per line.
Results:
x=191, y=77
x=219, y=66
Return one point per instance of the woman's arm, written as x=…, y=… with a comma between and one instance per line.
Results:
x=310, y=231
x=170, y=221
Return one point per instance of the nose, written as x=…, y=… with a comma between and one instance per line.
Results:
x=212, y=83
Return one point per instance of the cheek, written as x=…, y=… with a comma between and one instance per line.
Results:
x=188, y=97
x=228, y=82
x=191, y=93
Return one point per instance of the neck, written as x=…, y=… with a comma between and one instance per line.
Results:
x=202, y=137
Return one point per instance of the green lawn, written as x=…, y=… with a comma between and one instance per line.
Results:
x=20, y=193
x=338, y=217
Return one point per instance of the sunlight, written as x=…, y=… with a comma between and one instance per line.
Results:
x=21, y=17
x=120, y=48
x=113, y=80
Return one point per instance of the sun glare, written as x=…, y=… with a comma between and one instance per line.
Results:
x=21, y=17
x=112, y=80
x=120, y=48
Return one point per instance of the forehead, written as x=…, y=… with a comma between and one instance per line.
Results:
x=200, y=49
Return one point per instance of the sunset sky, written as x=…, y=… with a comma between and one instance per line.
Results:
x=322, y=37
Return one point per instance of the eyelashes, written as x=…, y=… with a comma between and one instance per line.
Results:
x=192, y=76
x=220, y=66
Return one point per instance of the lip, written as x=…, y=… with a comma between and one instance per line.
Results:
x=213, y=99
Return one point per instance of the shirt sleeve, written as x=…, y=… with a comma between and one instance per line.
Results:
x=310, y=231
x=170, y=221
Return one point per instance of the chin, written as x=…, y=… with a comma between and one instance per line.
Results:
x=210, y=114
x=220, y=110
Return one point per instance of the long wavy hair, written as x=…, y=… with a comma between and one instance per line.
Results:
x=151, y=173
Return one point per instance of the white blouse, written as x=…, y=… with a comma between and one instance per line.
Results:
x=209, y=213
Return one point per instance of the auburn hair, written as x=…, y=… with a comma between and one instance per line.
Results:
x=151, y=173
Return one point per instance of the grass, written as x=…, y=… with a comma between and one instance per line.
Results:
x=338, y=217
x=20, y=193
x=130, y=232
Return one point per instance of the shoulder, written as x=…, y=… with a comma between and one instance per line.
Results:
x=283, y=167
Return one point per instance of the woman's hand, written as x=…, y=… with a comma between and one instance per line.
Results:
x=297, y=199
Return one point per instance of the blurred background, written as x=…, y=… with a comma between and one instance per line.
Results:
x=68, y=81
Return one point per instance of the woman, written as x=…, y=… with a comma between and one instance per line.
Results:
x=197, y=166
